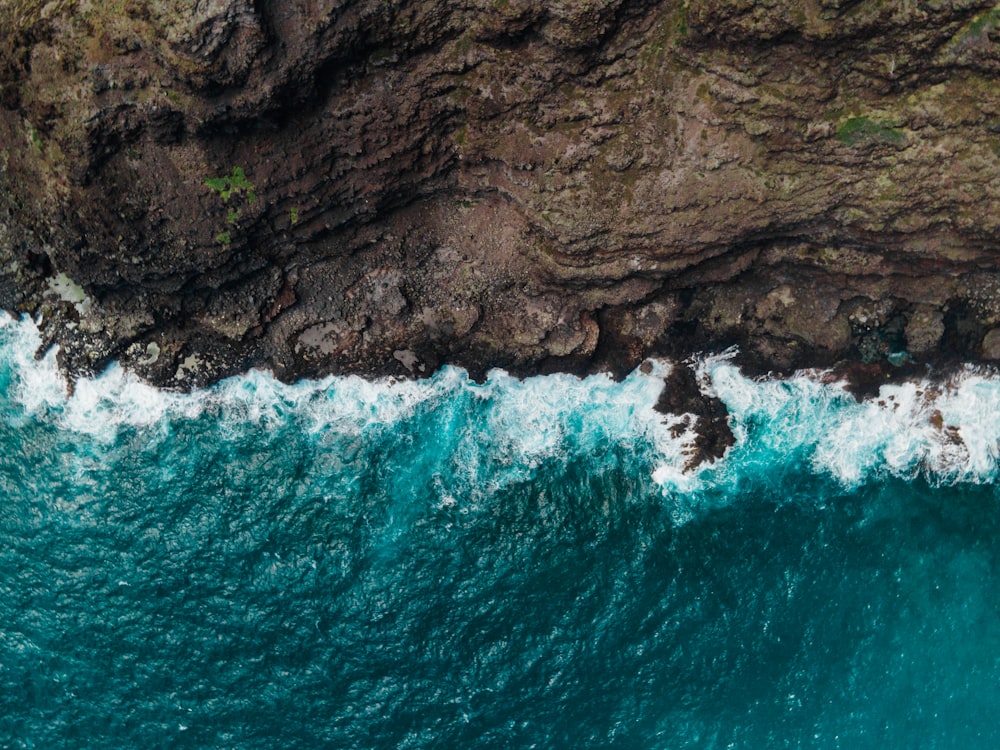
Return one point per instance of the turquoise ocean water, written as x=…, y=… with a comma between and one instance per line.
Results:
x=516, y=564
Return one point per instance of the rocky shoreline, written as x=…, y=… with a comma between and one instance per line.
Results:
x=385, y=186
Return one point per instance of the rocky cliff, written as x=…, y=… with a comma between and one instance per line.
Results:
x=195, y=187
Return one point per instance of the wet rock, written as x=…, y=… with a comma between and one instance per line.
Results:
x=683, y=394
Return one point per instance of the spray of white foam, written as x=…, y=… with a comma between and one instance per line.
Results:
x=521, y=422
x=947, y=432
x=97, y=407
x=100, y=406
x=35, y=384
x=542, y=417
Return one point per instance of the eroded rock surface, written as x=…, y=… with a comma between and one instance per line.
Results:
x=381, y=186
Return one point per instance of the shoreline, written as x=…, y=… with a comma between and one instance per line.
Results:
x=684, y=393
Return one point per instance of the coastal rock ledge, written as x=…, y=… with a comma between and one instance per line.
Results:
x=196, y=187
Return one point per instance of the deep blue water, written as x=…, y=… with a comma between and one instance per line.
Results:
x=518, y=564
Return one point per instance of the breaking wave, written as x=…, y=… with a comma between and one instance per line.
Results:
x=946, y=432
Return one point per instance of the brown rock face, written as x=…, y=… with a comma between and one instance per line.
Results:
x=381, y=186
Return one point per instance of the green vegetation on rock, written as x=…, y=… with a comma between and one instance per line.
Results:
x=235, y=182
x=984, y=22
x=856, y=130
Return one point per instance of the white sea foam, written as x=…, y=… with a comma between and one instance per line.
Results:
x=538, y=416
x=541, y=417
x=345, y=403
x=522, y=422
x=35, y=384
x=947, y=432
x=98, y=406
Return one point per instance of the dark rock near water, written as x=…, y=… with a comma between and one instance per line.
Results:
x=683, y=394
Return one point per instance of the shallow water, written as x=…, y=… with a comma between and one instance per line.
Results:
x=519, y=564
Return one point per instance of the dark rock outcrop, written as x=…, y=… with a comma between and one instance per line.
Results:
x=381, y=186
x=703, y=413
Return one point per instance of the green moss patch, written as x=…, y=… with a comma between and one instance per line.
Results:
x=983, y=23
x=857, y=130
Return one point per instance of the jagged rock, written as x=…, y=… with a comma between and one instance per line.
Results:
x=684, y=395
